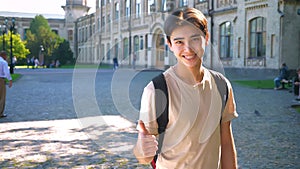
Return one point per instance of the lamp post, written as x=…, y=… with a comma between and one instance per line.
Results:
x=11, y=28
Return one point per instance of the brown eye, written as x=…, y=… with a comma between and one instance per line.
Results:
x=178, y=42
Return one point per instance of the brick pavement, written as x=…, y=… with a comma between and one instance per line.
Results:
x=42, y=129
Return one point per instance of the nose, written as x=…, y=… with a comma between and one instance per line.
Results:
x=188, y=47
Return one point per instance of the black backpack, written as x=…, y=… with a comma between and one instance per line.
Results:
x=162, y=106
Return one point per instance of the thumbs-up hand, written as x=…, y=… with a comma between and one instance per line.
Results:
x=146, y=144
x=142, y=128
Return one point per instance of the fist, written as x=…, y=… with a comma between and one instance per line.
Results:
x=147, y=144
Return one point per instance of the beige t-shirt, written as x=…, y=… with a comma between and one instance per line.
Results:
x=192, y=137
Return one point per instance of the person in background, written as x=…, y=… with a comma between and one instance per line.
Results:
x=4, y=74
x=198, y=135
x=36, y=63
x=57, y=63
x=32, y=62
x=116, y=64
x=296, y=85
x=283, y=74
x=133, y=60
x=14, y=62
x=28, y=63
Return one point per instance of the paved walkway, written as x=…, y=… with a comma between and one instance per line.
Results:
x=42, y=129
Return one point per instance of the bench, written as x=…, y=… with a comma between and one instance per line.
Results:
x=289, y=80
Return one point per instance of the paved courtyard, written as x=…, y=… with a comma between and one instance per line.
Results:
x=60, y=118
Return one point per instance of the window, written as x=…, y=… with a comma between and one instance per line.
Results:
x=151, y=7
x=136, y=43
x=25, y=31
x=55, y=31
x=101, y=51
x=103, y=2
x=183, y=3
x=127, y=8
x=272, y=45
x=98, y=24
x=226, y=37
x=116, y=48
x=108, y=51
x=117, y=11
x=108, y=22
x=141, y=43
x=103, y=21
x=239, y=47
x=79, y=35
x=125, y=48
x=86, y=34
x=258, y=37
x=70, y=35
x=138, y=8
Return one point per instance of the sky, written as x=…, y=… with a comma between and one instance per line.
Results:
x=38, y=6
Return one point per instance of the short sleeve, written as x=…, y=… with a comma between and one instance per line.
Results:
x=147, y=110
x=230, y=107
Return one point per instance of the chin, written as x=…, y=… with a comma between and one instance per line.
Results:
x=191, y=65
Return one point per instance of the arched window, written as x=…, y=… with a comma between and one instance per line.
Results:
x=258, y=37
x=226, y=38
x=117, y=11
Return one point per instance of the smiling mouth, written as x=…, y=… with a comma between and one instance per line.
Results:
x=189, y=57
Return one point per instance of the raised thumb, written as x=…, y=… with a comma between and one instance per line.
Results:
x=141, y=127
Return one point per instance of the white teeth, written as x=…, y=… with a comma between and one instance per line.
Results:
x=189, y=57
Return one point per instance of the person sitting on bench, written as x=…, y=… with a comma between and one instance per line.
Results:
x=283, y=74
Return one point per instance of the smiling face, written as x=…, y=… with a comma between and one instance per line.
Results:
x=188, y=45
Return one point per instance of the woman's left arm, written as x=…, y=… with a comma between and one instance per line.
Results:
x=228, y=151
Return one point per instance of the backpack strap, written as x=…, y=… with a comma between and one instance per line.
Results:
x=222, y=87
x=162, y=109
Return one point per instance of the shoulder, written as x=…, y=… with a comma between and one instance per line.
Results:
x=218, y=75
x=3, y=62
x=149, y=88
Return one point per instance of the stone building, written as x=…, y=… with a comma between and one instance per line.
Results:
x=244, y=33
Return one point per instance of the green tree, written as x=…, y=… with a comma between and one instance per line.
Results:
x=40, y=36
x=63, y=53
x=19, y=47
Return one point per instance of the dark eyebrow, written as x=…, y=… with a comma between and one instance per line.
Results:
x=193, y=36
x=178, y=39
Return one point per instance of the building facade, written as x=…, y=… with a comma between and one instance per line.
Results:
x=244, y=33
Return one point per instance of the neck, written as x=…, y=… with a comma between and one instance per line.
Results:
x=190, y=75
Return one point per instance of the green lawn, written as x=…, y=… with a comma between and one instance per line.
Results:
x=257, y=84
x=14, y=77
